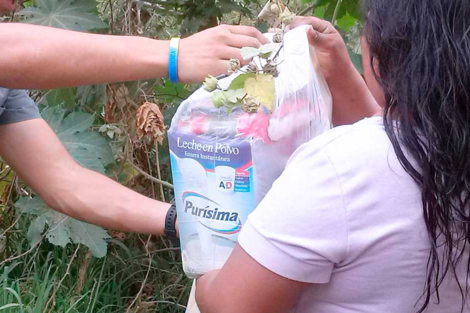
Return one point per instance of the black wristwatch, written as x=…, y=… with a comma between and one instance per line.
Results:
x=170, y=222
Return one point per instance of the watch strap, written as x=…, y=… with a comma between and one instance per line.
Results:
x=170, y=222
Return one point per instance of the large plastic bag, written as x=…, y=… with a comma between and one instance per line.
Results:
x=223, y=164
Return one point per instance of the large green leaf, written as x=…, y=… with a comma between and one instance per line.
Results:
x=325, y=9
x=89, y=149
x=61, y=229
x=66, y=14
x=62, y=96
x=93, y=96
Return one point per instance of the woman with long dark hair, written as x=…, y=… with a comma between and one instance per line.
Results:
x=372, y=217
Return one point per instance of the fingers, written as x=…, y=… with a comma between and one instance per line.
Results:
x=276, y=30
x=221, y=65
x=240, y=41
x=248, y=31
x=232, y=53
x=315, y=38
x=220, y=44
x=318, y=24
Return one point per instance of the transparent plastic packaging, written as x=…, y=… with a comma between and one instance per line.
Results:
x=223, y=164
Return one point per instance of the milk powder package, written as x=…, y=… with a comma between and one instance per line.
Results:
x=224, y=162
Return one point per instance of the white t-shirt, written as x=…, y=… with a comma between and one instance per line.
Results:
x=346, y=217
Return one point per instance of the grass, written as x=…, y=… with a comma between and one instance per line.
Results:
x=139, y=274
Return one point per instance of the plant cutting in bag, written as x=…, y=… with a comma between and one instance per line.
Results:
x=232, y=139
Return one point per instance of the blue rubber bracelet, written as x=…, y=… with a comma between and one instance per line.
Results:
x=173, y=60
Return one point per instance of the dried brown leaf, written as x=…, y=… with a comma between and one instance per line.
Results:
x=150, y=121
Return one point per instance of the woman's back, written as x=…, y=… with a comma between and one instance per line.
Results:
x=366, y=252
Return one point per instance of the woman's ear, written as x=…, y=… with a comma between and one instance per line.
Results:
x=371, y=81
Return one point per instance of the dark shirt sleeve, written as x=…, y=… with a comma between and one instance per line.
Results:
x=16, y=106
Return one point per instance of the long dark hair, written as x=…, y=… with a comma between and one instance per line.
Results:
x=420, y=52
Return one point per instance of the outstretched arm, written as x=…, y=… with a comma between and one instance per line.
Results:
x=37, y=57
x=33, y=150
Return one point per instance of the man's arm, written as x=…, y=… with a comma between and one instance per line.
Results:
x=37, y=57
x=33, y=150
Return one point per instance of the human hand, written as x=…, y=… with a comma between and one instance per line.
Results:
x=352, y=100
x=329, y=46
x=209, y=51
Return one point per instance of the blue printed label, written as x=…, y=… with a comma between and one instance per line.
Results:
x=213, y=181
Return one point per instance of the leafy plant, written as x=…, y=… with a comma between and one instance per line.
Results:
x=197, y=15
x=66, y=14
x=61, y=229
x=63, y=97
x=342, y=12
x=88, y=148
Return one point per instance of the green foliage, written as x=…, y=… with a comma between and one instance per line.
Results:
x=168, y=92
x=172, y=95
x=93, y=96
x=66, y=14
x=63, y=97
x=62, y=229
x=61, y=280
x=89, y=149
x=196, y=15
x=327, y=8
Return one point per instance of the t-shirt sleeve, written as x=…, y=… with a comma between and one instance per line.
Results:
x=300, y=229
x=18, y=107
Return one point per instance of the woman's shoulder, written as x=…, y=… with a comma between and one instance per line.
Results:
x=360, y=153
x=367, y=131
x=354, y=144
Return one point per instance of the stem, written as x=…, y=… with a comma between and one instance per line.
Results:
x=100, y=279
x=159, y=173
x=67, y=272
x=82, y=272
x=111, y=20
x=306, y=10
x=150, y=170
x=335, y=14
x=278, y=51
x=142, y=286
x=146, y=175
